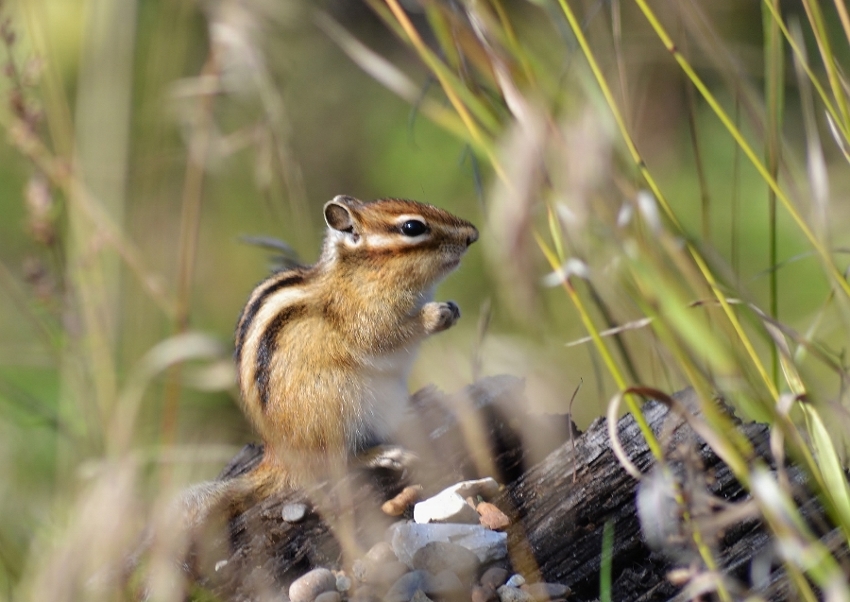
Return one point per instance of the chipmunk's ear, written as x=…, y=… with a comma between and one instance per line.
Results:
x=338, y=213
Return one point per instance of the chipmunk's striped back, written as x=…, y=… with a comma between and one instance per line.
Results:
x=323, y=353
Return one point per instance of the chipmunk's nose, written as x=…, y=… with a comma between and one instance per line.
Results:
x=472, y=236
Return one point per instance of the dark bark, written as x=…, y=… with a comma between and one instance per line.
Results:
x=559, y=492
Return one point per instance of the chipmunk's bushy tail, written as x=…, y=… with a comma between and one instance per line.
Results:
x=180, y=528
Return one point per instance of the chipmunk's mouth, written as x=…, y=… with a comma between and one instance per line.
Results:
x=451, y=264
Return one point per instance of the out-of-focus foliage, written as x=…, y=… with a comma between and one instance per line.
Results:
x=668, y=183
x=662, y=297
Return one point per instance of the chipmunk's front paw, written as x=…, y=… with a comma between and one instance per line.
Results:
x=438, y=316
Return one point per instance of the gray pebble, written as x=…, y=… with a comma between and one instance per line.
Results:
x=359, y=568
x=328, y=597
x=293, y=513
x=384, y=574
x=494, y=577
x=403, y=589
x=307, y=587
x=378, y=573
x=445, y=584
x=365, y=593
x=515, y=581
x=381, y=552
x=488, y=545
x=547, y=591
x=484, y=593
x=343, y=582
x=439, y=556
x=513, y=594
x=367, y=597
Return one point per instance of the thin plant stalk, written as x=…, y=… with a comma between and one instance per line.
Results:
x=190, y=218
x=799, y=52
x=824, y=254
x=822, y=38
x=636, y=157
x=652, y=442
x=774, y=86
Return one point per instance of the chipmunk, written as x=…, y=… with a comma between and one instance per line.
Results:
x=323, y=353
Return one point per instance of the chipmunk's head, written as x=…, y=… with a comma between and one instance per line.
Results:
x=412, y=243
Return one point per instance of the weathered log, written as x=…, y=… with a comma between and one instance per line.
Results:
x=563, y=503
x=559, y=501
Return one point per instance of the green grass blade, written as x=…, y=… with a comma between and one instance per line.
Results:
x=799, y=52
x=606, y=565
x=774, y=83
x=825, y=46
x=830, y=465
x=650, y=180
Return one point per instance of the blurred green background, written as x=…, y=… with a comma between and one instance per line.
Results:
x=295, y=123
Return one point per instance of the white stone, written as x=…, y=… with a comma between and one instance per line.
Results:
x=445, y=507
x=513, y=594
x=449, y=506
x=293, y=513
x=407, y=538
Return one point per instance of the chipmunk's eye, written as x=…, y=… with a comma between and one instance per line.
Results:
x=413, y=227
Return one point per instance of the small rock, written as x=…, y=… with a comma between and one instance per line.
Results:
x=293, y=513
x=513, y=594
x=307, y=587
x=328, y=597
x=547, y=591
x=445, y=507
x=381, y=552
x=491, y=517
x=450, y=504
x=368, y=596
x=365, y=593
x=488, y=545
x=438, y=556
x=445, y=584
x=403, y=589
x=515, y=581
x=220, y=565
x=359, y=568
x=494, y=577
x=343, y=582
x=484, y=593
x=486, y=488
x=384, y=574
x=408, y=496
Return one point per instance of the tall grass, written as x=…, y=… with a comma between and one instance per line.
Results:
x=705, y=324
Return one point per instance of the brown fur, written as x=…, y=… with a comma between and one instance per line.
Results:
x=323, y=352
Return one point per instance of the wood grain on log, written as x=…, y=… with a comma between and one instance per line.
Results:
x=560, y=494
